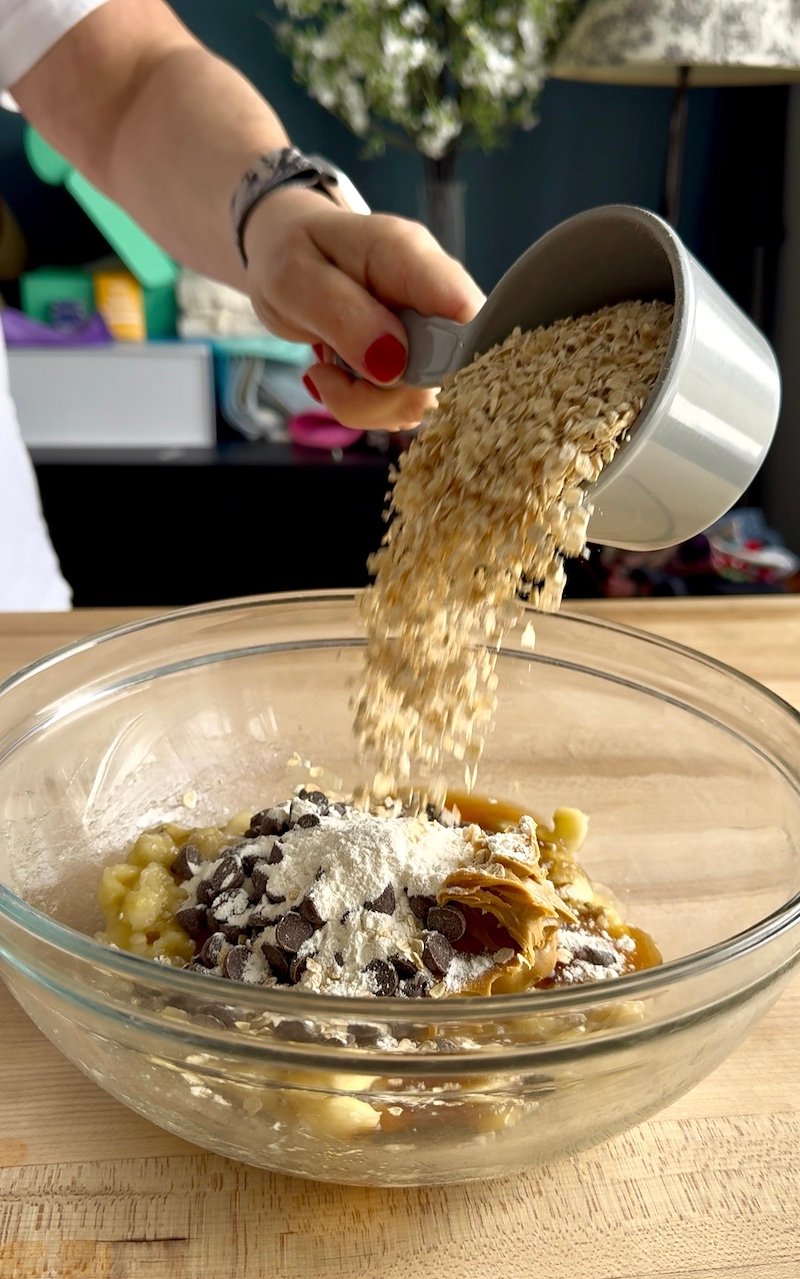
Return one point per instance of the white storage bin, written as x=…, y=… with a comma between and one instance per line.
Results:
x=123, y=395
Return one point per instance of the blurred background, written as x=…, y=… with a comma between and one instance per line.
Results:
x=189, y=469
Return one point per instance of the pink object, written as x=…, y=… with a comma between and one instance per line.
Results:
x=321, y=431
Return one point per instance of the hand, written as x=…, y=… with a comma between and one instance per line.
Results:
x=335, y=279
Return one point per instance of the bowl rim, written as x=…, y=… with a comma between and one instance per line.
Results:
x=299, y=1002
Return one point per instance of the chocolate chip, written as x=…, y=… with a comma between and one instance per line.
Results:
x=260, y=877
x=260, y=916
x=211, y=950
x=228, y=875
x=339, y=957
x=307, y=821
x=295, y=1031
x=270, y=821
x=276, y=959
x=291, y=931
x=275, y=854
x=193, y=920
x=296, y=969
x=187, y=863
x=442, y=816
x=385, y=903
x=316, y=797
x=384, y=978
x=235, y=962
x=250, y=861
x=218, y=1015
x=592, y=953
x=341, y=809
x=232, y=932
x=194, y=1005
x=417, y=987
x=448, y=920
x=404, y=967
x=363, y=1033
x=437, y=953
x=205, y=892
x=308, y=910
x=220, y=907
x=420, y=906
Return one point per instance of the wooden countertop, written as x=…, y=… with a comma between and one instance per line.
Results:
x=709, y=1189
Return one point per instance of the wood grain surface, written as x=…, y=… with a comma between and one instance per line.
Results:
x=710, y=1189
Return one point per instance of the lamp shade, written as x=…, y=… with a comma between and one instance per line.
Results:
x=720, y=42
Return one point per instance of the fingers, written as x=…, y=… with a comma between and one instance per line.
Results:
x=384, y=260
x=309, y=295
x=400, y=263
x=336, y=280
x=341, y=277
x=359, y=404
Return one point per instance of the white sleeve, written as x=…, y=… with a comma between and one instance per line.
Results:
x=28, y=28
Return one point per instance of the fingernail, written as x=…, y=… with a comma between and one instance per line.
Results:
x=318, y=351
x=386, y=358
x=312, y=390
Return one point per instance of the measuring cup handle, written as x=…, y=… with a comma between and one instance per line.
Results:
x=434, y=348
x=434, y=345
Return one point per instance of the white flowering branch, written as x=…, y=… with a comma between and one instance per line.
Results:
x=441, y=73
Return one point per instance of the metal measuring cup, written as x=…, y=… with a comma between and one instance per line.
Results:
x=709, y=420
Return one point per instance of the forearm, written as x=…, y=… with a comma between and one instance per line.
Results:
x=200, y=124
x=157, y=122
x=168, y=130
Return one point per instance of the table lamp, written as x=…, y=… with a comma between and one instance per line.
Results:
x=682, y=43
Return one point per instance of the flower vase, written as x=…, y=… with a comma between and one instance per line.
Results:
x=441, y=203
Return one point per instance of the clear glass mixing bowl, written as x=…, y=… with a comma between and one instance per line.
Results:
x=689, y=772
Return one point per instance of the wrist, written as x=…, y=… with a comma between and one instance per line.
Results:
x=271, y=221
x=283, y=170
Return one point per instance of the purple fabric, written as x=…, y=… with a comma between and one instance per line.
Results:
x=20, y=330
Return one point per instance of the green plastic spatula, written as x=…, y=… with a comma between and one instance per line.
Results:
x=152, y=267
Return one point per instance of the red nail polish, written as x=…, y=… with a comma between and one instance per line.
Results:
x=312, y=390
x=318, y=350
x=386, y=358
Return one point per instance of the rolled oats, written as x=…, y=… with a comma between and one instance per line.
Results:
x=486, y=505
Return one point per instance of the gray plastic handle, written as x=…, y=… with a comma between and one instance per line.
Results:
x=435, y=347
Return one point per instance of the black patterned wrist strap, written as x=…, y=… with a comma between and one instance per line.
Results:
x=285, y=168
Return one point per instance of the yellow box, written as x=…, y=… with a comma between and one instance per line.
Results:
x=120, y=300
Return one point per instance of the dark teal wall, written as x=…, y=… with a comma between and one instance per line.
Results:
x=595, y=143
